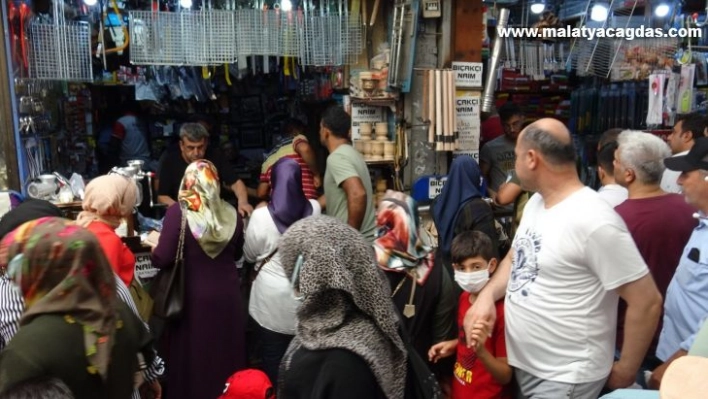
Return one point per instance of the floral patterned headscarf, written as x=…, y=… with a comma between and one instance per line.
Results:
x=212, y=220
x=398, y=245
x=60, y=269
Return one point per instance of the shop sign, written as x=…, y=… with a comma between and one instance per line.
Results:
x=468, y=123
x=435, y=186
x=362, y=113
x=143, y=266
x=474, y=154
x=467, y=74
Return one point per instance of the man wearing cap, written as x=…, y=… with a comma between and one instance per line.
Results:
x=687, y=129
x=686, y=304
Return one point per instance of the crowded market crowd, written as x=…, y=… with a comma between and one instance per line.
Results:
x=598, y=293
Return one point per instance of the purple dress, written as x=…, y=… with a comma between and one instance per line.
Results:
x=207, y=344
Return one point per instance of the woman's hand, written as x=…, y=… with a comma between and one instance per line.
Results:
x=245, y=209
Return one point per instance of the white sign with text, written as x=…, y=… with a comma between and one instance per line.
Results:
x=362, y=113
x=143, y=266
x=467, y=74
x=435, y=186
x=468, y=122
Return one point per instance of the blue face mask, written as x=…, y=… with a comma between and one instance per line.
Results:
x=295, y=279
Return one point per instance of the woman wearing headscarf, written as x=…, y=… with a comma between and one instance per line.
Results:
x=73, y=327
x=207, y=344
x=107, y=201
x=12, y=304
x=422, y=292
x=271, y=303
x=460, y=207
x=347, y=343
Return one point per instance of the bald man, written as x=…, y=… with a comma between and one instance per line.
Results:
x=571, y=259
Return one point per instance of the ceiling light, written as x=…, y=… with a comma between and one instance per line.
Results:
x=185, y=3
x=90, y=2
x=537, y=7
x=662, y=10
x=286, y=5
x=599, y=12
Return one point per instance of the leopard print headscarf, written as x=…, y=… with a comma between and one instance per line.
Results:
x=346, y=299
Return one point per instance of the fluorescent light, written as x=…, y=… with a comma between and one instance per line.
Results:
x=286, y=5
x=90, y=2
x=185, y=3
x=662, y=10
x=538, y=7
x=599, y=12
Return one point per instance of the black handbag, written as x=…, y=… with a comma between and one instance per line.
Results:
x=167, y=289
x=421, y=383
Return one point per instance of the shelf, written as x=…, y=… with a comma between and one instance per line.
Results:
x=377, y=102
x=536, y=93
x=384, y=162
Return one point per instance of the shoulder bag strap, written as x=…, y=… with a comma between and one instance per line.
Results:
x=266, y=260
x=182, y=232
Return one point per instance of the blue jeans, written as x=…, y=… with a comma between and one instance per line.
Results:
x=273, y=347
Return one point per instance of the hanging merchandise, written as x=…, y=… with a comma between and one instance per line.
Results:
x=439, y=109
x=685, y=90
x=656, y=99
x=326, y=35
x=403, y=39
x=59, y=49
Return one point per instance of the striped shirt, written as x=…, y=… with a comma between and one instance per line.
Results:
x=12, y=306
x=288, y=150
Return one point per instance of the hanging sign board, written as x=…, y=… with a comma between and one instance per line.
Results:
x=468, y=124
x=474, y=154
x=467, y=74
x=362, y=113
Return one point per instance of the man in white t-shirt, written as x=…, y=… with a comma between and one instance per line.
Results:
x=687, y=129
x=571, y=260
x=611, y=192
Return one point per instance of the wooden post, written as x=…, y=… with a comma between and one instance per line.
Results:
x=7, y=127
x=469, y=30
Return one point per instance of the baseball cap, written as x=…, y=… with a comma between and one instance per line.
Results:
x=685, y=378
x=248, y=384
x=697, y=158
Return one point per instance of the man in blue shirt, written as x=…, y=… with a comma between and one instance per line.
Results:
x=686, y=304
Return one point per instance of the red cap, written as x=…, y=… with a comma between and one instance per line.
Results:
x=248, y=384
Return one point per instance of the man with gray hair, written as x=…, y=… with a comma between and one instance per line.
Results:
x=571, y=259
x=193, y=145
x=660, y=222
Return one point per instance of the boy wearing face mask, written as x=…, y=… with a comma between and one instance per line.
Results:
x=481, y=372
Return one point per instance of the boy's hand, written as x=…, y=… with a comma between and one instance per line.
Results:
x=442, y=350
x=481, y=330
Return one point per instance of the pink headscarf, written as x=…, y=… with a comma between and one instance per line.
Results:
x=108, y=199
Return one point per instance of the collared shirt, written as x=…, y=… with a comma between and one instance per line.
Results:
x=12, y=306
x=686, y=304
x=669, y=178
x=613, y=194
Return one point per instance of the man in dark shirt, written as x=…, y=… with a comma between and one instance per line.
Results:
x=193, y=145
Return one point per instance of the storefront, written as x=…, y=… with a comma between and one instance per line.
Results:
x=415, y=76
